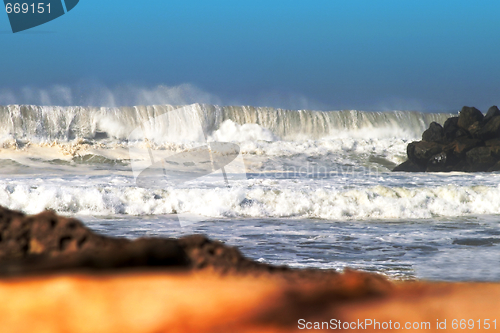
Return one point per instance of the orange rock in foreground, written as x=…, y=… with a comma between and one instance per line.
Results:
x=56, y=275
x=206, y=302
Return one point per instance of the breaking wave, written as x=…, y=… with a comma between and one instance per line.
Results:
x=235, y=123
x=374, y=202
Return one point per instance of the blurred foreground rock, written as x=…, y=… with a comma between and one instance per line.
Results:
x=56, y=275
x=152, y=302
x=469, y=142
x=49, y=244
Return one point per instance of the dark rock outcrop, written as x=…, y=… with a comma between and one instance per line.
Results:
x=492, y=112
x=48, y=243
x=490, y=130
x=480, y=158
x=438, y=162
x=420, y=152
x=409, y=166
x=450, y=129
x=468, y=116
x=469, y=142
x=434, y=133
x=460, y=146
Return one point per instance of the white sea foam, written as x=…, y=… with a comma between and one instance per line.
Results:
x=296, y=165
x=230, y=131
x=352, y=149
x=332, y=199
x=269, y=138
x=46, y=124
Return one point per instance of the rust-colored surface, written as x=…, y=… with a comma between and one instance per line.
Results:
x=206, y=302
x=56, y=275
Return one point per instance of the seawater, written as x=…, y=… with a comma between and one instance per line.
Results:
x=443, y=249
x=315, y=190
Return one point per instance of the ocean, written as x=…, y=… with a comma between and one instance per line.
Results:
x=297, y=188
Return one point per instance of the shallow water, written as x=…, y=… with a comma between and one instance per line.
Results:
x=298, y=188
x=462, y=249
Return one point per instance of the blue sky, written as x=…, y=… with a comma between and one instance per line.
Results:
x=349, y=54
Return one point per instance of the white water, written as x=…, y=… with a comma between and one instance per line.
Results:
x=300, y=164
x=46, y=124
x=341, y=198
x=313, y=189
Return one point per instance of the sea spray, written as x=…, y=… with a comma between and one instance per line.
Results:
x=48, y=123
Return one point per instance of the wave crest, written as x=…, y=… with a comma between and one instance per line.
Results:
x=44, y=123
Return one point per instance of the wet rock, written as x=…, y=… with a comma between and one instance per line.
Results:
x=461, y=133
x=434, y=133
x=408, y=166
x=48, y=243
x=470, y=142
x=495, y=167
x=468, y=116
x=47, y=233
x=492, y=142
x=492, y=112
x=474, y=129
x=461, y=146
x=480, y=159
x=419, y=152
x=439, y=163
x=450, y=129
x=491, y=130
x=460, y=166
x=205, y=253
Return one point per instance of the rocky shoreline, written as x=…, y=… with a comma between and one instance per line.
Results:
x=51, y=244
x=467, y=143
x=56, y=275
x=48, y=243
